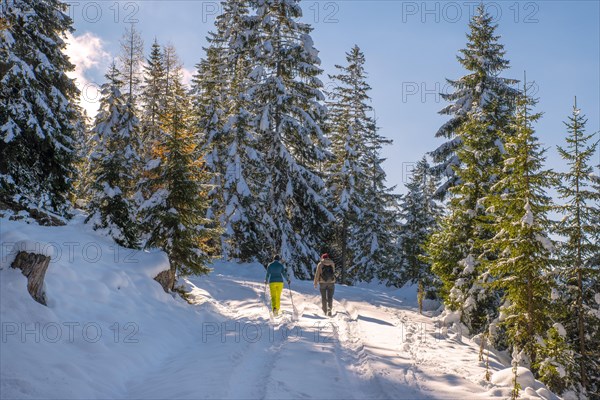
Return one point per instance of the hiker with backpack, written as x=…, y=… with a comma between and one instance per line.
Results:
x=276, y=273
x=325, y=277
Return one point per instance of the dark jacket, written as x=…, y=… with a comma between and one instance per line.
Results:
x=276, y=272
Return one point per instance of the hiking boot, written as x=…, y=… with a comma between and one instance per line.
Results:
x=329, y=313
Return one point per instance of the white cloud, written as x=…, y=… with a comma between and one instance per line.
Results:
x=87, y=52
x=187, y=75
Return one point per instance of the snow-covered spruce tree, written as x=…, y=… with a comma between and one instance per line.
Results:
x=113, y=162
x=471, y=160
x=83, y=147
x=208, y=87
x=456, y=251
x=232, y=150
x=379, y=225
x=420, y=213
x=174, y=212
x=289, y=115
x=152, y=100
x=522, y=265
x=580, y=227
x=349, y=172
x=38, y=116
x=483, y=88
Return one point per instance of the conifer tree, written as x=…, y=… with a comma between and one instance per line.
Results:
x=113, y=162
x=38, y=116
x=420, y=213
x=152, y=99
x=350, y=171
x=471, y=161
x=456, y=250
x=208, y=86
x=231, y=141
x=522, y=268
x=289, y=115
x=380, y=223
x=83, y=147
x=175, y=184
x=580, y=228
x=482, y=88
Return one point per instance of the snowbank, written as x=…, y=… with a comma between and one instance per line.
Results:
x=106, y=316
x=530, y=387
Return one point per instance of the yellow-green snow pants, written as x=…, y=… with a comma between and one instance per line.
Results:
x=276, y=289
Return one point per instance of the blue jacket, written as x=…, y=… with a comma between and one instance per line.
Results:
x=276, y=272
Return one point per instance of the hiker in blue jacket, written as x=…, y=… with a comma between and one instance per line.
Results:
x=276, y=273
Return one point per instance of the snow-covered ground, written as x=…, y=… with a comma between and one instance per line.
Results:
x=110, y=331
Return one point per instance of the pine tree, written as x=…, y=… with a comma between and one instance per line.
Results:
x=289, y=115
x=377, y=231
x=522, y=269
x=83, y=148
x=208, y=87
x=354, y=175
x=38, y=116
x=113, y=162
x=231, y=140
x=420, y=213
x=471, y=160
x=152, y=99
x=580, y=228
x=482, y=88
x=175, y=186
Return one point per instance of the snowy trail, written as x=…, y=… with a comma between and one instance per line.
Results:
x=376, y=346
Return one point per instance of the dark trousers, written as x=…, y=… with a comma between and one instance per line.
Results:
x=327, y=290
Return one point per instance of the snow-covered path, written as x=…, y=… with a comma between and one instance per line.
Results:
x=376, y=346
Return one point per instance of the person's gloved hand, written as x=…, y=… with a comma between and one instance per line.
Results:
x=289, y=281
x=315, y=285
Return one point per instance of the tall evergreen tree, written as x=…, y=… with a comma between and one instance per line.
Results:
x=379, y=225
x=580, y=226
x=353, y=173
x=231, y=140
x=152, y=99
x=522, y=268
x=482, y=88
x=113, y=162
x=420, y=213
x=456, y=251
x=208, y=87
x=175, y=209
x=289, y=115
x=84, y=146
x=471, y=160
x=38, y=116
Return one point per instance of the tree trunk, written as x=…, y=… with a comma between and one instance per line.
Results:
x=344, y=248
x=166, y=280
x=34, y=267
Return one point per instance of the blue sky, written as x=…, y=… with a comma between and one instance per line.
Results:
x=410, y=48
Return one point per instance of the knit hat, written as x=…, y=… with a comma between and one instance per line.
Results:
x=324, y=256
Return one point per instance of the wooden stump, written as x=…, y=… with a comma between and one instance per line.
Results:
x=34, y=267
x=166, y=280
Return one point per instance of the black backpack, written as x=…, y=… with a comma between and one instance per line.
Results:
x=327, y=273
